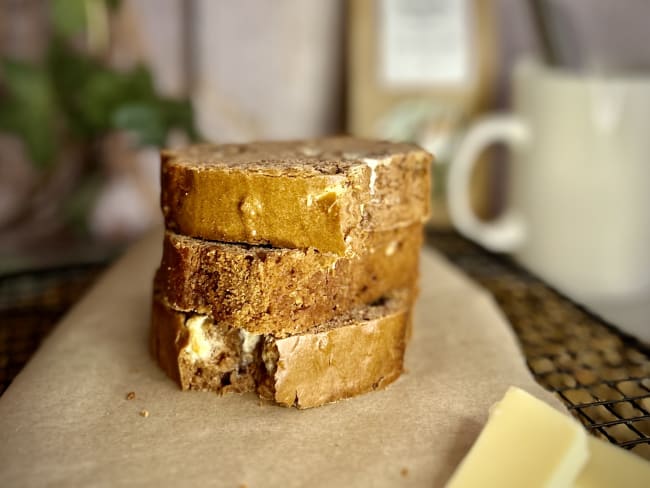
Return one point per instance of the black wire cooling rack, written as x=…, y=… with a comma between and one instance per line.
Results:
x=31, y=303
x=602, y=375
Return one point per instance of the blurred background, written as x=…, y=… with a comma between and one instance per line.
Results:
x=91, y=89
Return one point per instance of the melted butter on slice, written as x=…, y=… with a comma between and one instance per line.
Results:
x=391, y=248
x=248, y=343
x=199, y=346
x=250, y=210
x=372, y=163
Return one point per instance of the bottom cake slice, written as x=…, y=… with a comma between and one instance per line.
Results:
x=354, y=353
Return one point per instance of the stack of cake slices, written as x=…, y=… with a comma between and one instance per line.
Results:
x=289, y=268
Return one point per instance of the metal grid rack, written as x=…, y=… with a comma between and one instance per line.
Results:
x=602, y=375
x=31, y=303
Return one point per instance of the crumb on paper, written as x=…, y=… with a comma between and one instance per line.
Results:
x=130, y=395
x=144, y=413
x=404, y=472
x=243, y=485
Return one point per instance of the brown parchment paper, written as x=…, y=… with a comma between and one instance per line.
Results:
x=65, y=420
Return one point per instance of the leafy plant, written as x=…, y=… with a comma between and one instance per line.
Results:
x=29, y=108
x=73, y=99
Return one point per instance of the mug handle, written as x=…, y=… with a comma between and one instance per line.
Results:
x=508, y=231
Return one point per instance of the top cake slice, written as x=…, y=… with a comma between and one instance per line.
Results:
x=324, y=193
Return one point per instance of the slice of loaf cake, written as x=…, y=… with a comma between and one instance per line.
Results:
x=282, y=291
x=354, y=353
x=323, y=193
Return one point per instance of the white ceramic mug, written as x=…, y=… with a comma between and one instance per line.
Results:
x=578, y=207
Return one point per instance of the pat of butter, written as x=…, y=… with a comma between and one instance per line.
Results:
x=610, y=465
x=525, y=443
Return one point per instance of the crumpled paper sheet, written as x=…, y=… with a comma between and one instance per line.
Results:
x=65, y=420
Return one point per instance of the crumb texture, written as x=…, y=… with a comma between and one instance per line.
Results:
x=282, y=291
x=355, y=353
x=289, y=268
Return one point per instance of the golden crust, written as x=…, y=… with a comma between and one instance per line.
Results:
x=355, y=353
x=322, y=193
x=283, y=291
x=315, y=369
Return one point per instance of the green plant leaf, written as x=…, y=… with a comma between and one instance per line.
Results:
x=137, y=84
x=91, y=93
x=94, y=100
x=68, y=16
x=179, y=114
x=70, y=71
x=114, y=4
x=98, y=97
x=143, y=119
x=80, y=201
x=29, y=109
